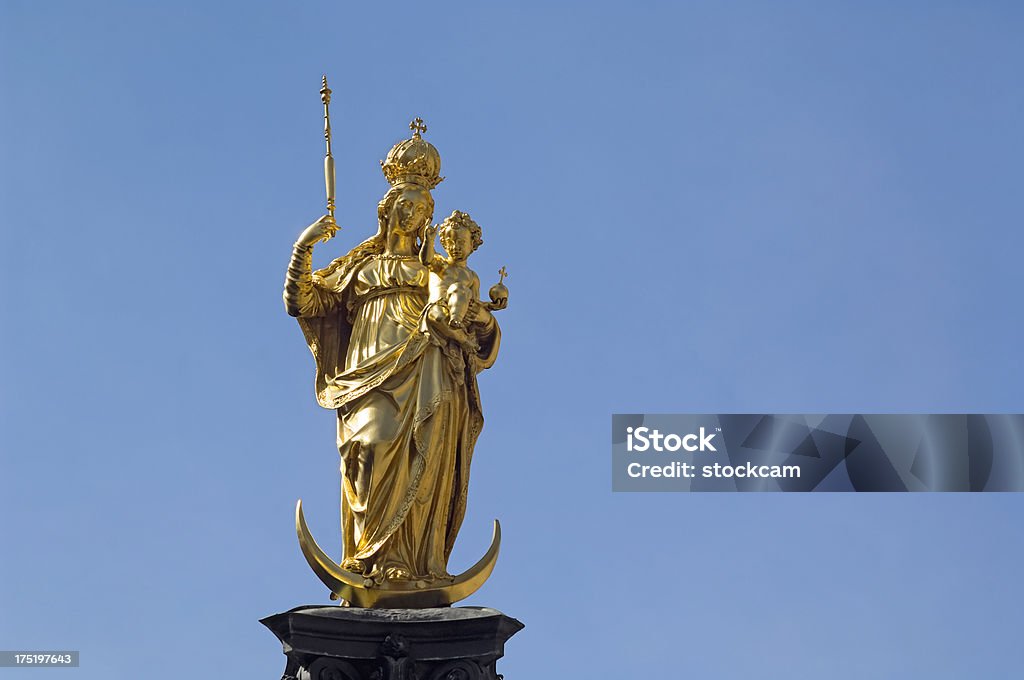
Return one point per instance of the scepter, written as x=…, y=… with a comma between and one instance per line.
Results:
x=325, y=97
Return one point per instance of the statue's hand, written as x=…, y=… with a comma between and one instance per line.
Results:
x=323, y=229
x=478, y=313
x=429, y=232
x=499, y=294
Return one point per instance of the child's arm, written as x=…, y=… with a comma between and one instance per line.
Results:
x=427, y=248
x=428, y=256
x=474, y=284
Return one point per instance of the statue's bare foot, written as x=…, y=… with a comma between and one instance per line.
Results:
x=397, y=574
x=353, y=565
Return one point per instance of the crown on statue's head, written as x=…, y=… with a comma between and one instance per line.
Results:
x=413, y=161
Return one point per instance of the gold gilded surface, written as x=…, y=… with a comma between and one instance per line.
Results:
x=398, y=334
x=359, y=591
x=325, y=97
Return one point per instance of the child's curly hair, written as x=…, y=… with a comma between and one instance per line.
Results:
x=460, y=220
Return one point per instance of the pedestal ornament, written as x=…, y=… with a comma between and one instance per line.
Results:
x=350, y=643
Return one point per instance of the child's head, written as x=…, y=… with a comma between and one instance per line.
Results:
x=460, y=235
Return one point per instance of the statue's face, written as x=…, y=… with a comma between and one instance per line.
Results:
x=411, y=210
x=459, y=242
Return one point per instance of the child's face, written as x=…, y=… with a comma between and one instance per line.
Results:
x=459, y=243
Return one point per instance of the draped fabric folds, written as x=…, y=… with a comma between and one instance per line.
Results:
x=408, y=408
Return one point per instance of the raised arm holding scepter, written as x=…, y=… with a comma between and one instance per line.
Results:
x=324, y=228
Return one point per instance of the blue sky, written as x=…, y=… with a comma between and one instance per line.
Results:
x=703, y=207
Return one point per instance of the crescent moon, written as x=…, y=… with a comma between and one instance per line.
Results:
x=363, y=592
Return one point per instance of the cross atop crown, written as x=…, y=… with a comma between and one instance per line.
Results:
x=417, y=126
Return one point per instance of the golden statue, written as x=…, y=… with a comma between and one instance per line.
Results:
x=398, y=335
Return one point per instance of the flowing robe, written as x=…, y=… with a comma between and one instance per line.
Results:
x=407, y=402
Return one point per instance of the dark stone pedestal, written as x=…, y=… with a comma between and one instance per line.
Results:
x=349, y=643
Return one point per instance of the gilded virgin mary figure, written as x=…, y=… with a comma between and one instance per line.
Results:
x=402, y=382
